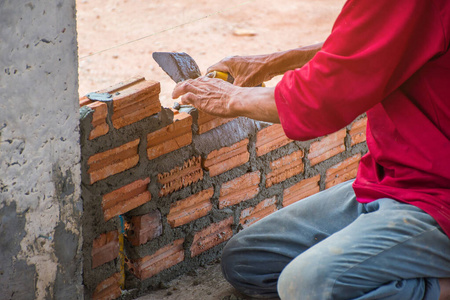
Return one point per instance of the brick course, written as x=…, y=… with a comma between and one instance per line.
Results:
x=114, y=161
x=108, y=289
x=191, y=208
x=144, y=228
x=162, y=259
x=327, y=147
x=227, y=158
x=181, y=177
x=284, y=168
x=342, y=171
x=358, y=131
x=271, y=138
x=240, y=189
x=99, y=125
x=135, y=101
x=208, y=122
x=211, y=236
x=105, y=248
x=170, y=138
x=125, y=198
x=252, y=214
x=303, y=189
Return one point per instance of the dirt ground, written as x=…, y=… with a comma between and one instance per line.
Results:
x=205, y=283
x=116, y=39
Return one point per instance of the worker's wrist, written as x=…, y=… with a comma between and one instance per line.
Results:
x=236, y=103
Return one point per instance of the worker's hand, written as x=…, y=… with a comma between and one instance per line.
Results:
x=248, y=71
x=211, y=95
x=220, y=98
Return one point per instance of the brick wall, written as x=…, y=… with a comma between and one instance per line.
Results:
x=164, y=190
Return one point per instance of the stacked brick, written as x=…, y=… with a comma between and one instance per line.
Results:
x=164, y=190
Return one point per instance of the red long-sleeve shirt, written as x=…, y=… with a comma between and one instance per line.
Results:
x=390, y=59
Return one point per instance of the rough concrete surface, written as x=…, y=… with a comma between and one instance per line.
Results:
x=40, y=207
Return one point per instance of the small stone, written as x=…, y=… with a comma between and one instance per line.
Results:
x=163, y=285
x=244, y=32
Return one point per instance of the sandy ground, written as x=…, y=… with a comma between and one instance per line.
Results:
x=117, y=37
x=206, y=283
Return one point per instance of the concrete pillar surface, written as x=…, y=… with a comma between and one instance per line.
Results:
x=40, y=206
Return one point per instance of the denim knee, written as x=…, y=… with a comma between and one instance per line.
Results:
x=305, y=278
x=228, y=263
x=246, y=270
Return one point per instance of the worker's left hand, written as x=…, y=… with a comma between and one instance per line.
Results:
x=211, y=95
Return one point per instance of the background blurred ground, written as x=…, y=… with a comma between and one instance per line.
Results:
x=116, y=39
x=204, y=29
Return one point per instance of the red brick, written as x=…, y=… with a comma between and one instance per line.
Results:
x=227, y=158
x=170, y=138
x=342, y=171
x=271, y=138
x=285, y=168
x=211, y=236
x=261, y=210
x=358, y=131
x=207, y=122
x=301, y=190
x=114, y=161
x=239, y=189
x=162, y=259
x=126, y=198
x=134, y=101
x=181, y=177
x=108, y=289
x=191, y=208
x=144, y=228
x=327, y=147
x=105, y=248
x=99, y=125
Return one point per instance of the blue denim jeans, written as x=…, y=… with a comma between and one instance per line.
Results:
x=329, y=246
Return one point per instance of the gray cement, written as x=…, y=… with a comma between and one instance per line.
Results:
x=40, y=207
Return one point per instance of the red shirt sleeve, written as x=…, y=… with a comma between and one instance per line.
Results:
x=372, y=50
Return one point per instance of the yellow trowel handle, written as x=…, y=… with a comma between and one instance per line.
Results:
x=224, y=76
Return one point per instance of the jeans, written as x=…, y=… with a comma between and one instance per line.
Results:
x=329, y=246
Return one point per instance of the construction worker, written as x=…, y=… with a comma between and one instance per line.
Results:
x=384, y=235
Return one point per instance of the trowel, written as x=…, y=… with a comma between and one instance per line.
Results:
x=181, y=66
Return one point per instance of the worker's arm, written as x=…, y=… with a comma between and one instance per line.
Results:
x=220, y=98
x=255, y=69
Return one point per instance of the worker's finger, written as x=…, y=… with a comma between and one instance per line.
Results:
x=182, y=88
x=189, y=99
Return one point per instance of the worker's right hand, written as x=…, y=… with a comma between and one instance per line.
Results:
x=248, y=71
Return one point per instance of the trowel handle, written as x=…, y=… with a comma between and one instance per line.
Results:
x=224, y=76
x=221, y=75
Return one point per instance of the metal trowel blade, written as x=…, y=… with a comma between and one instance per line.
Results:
x=178, y=65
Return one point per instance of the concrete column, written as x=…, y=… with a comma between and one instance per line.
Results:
x=40, y=206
